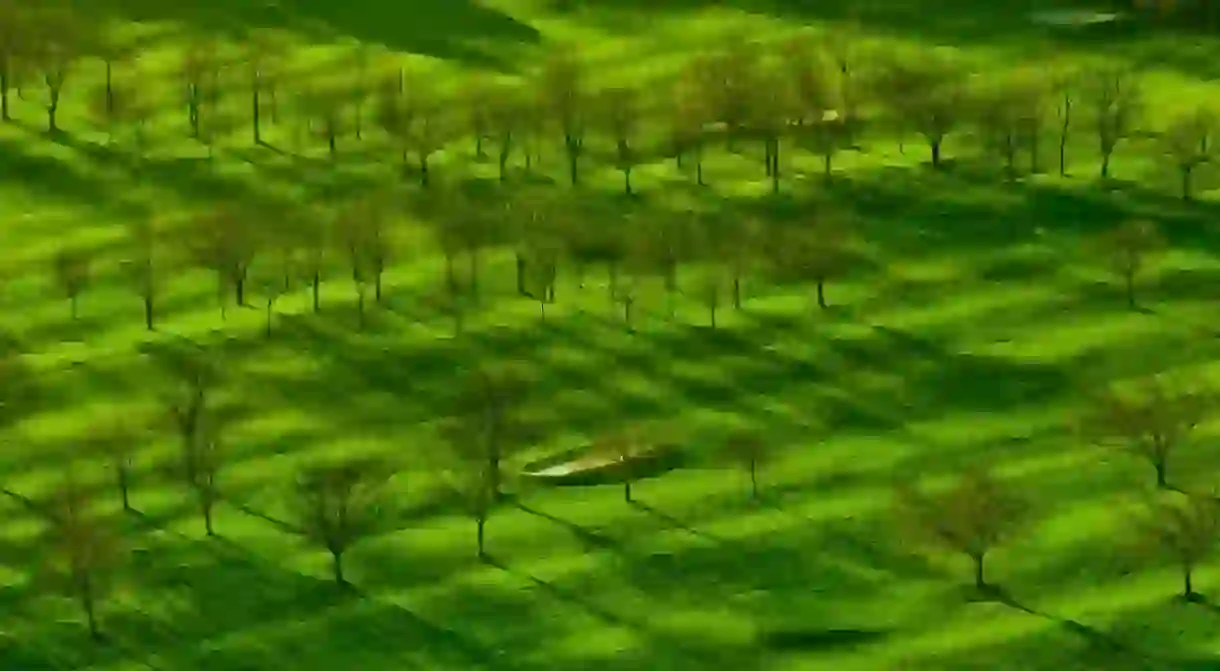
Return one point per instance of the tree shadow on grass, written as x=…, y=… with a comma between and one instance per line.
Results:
x=590, y=540
x=819, y=640
x=448, y=29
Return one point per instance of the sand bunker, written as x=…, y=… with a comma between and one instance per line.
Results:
x=581, y=467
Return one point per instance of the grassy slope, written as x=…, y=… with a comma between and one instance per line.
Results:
x=965, y=344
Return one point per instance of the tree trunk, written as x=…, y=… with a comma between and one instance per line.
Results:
x=423, y=171
x=1186, y=182
x=822, y=293
x=360, y=308
x=1063, y=137
x=737, y=292
x=4, y=84
x=775, y=165
x=627, y=181
x=239, y=288
x=481, y=523
x=377, y=286
x=627, y=491
x=826, y=166
x=124, y=477
x=573, y=160
x=148, y=313
x=520, y=274
x=336, y=567
x=254, y=116
x=505, y=152
x=1105, y=164
x=207, y=500
x=1161, y=466
x=52, y=113
x=270, y=305
x=317, y=289
x=88, y=603
x=1188, y=587
x=935, y=145
x=980, y=579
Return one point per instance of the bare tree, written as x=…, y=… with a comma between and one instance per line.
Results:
x=728, y=80
x=477, y=98
x=144, y=266
x=326, y=116
x=747, y=450
x=973, y=517
x=660, y=246
x=113, y=50
x=274, y=278
x=222, y=240
x=1190, y=142
x=690, y=112
x=773, y=112
x=430, y=132
x=203, y=460
x=711, y=292
x=475, y=486
x=816, y=253
x=1187, y=531
x=72, y=273
x=60, y=41
x=1114, y=97
x=216, y=122
x=1128, y=249
x=1065, y=85
x=490, y=404
x=563, y=93
x=626, y=295
x=81, y=550
x=507, y=114
x=115, y=441
x=364, y=226
x=189, y=409
x=338, y=505
x=1152, y=423
x=199, y=71
x=264, y=55
x=16, y=29
x=122, y=106
x=937, y=107
x=622, y=109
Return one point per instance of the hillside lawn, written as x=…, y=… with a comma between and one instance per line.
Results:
x=969, y=338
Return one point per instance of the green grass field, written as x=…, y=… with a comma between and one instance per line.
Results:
x=969, y=339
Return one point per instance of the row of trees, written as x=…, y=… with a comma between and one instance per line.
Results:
x=339, y=503
x=805, y=92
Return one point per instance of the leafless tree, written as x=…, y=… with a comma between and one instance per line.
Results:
x=1190, y=142
x=338, y=505
x=72, y=273
x=1187, y=531
x=1152, y=423
x=563, y=92
x=81, y=550
x=1115, y=98
x=1128, y=249
x=975, y=516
